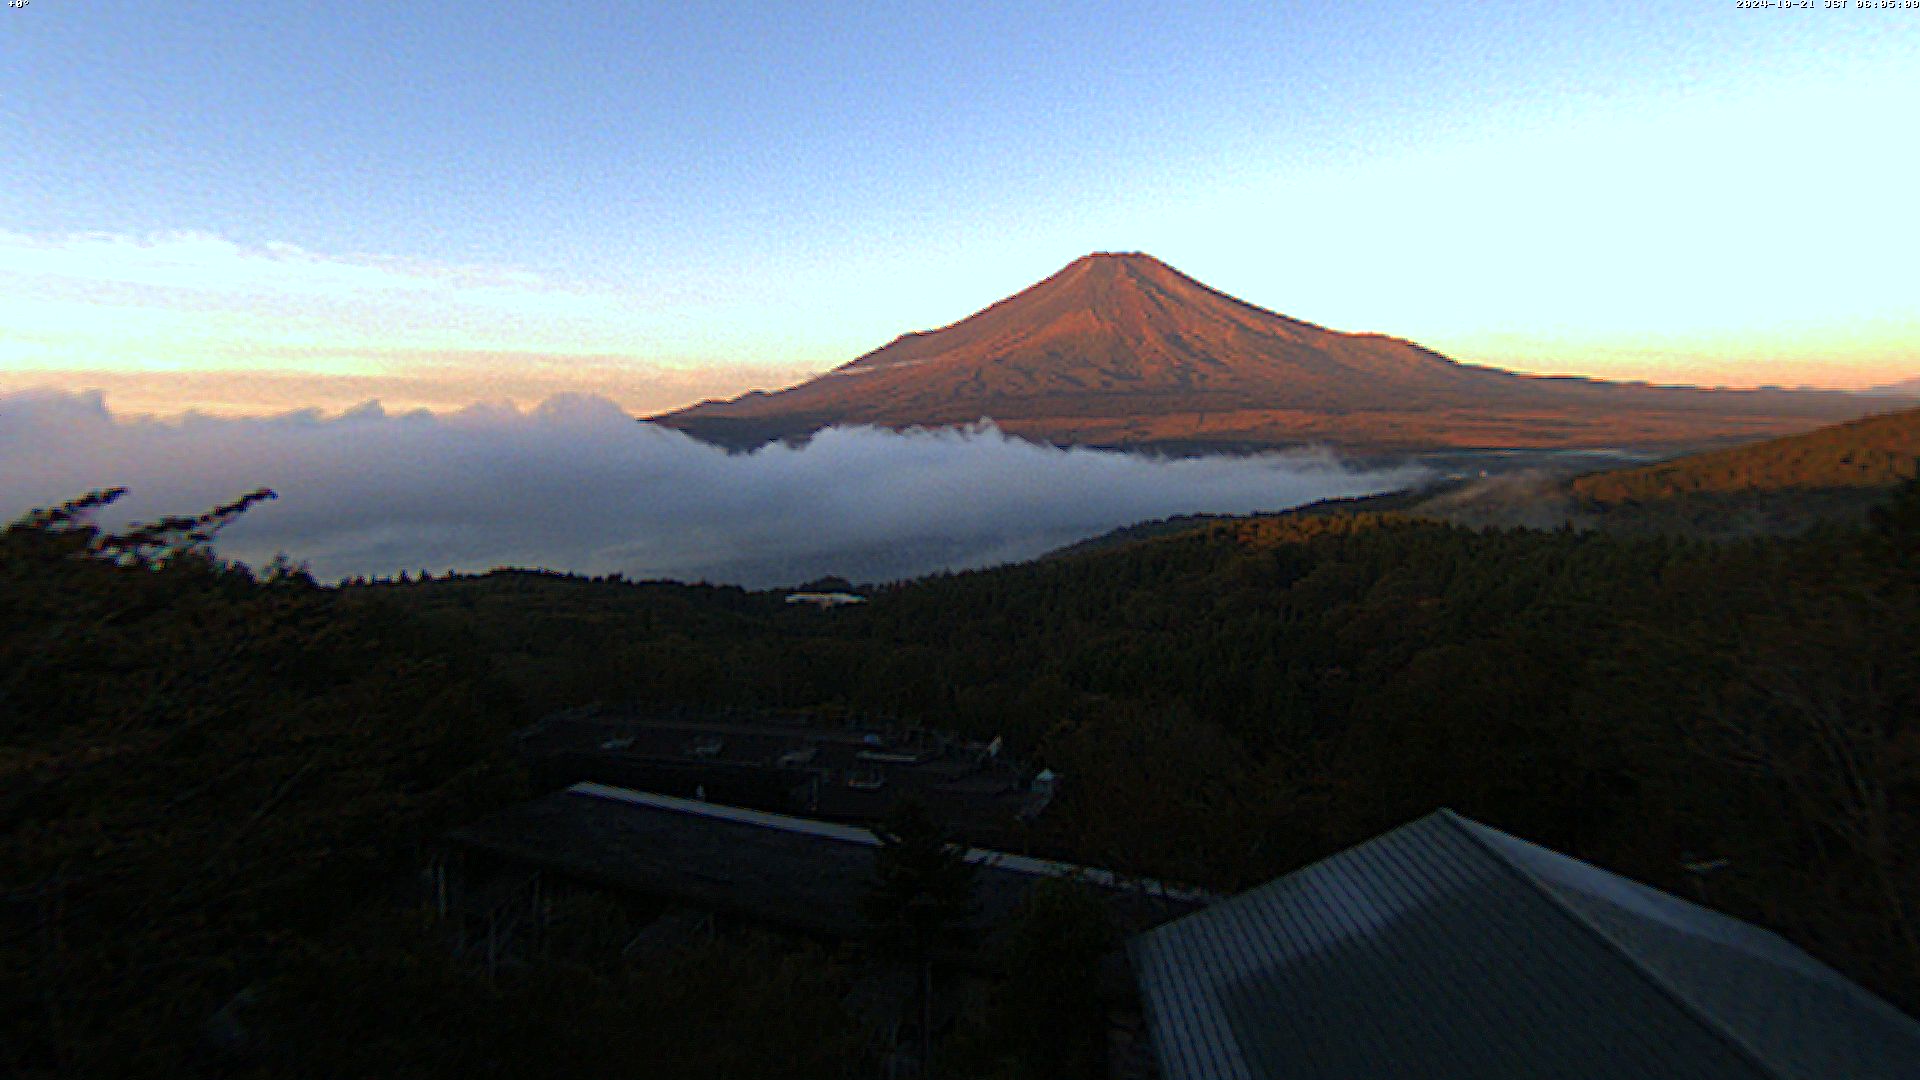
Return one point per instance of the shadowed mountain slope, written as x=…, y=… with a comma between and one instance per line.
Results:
x=1123, y=350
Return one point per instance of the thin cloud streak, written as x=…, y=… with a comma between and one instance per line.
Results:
x=576, y=484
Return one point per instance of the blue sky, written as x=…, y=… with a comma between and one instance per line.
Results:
x=434, y=202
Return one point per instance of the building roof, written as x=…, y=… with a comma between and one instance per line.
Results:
x=783, y=871
x=825, y=772
x=825, y=599
x=1446, y=948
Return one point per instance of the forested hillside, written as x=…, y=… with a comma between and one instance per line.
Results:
x=1833, y=475
x=216, y=782
x=1876, y=452
x=217, y=786
x=1235, y=701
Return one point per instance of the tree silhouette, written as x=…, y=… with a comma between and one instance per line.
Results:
x=920, y=898
x=1896, y=523
x=1045, y=1017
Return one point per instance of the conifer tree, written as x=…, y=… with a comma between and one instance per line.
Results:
x=920, y=898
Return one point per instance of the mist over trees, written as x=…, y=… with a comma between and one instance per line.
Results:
x=218, y=782
x=365, y=493
x=1251, y=695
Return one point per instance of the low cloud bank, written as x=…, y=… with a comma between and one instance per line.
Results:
x=577, y=485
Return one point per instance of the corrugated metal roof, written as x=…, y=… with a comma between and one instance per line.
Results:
x=1449, y=949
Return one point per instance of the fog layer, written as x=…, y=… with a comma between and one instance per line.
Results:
x=577, y=485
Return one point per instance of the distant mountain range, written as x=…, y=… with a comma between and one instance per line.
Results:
x=1122, y=350
x=1906, y=388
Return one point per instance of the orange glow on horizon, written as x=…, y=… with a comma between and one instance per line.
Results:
x=188, y=321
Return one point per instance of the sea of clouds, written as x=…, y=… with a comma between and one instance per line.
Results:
x=576, y=484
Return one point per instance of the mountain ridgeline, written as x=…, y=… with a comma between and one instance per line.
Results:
x=1122, y=350
x=1869, y=455
x=1832, y=477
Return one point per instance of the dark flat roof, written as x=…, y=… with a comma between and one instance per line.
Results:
x=964, y=786
x=782, y=871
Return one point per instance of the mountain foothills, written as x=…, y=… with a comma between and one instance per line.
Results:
x=1122, y=350
x=1834, y=476
x=1867, y=456
x=217, y=785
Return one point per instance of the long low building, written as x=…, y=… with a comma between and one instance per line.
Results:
x=769, y=869
x=1446, y=948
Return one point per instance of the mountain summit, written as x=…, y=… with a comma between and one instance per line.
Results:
x=1124, y=350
